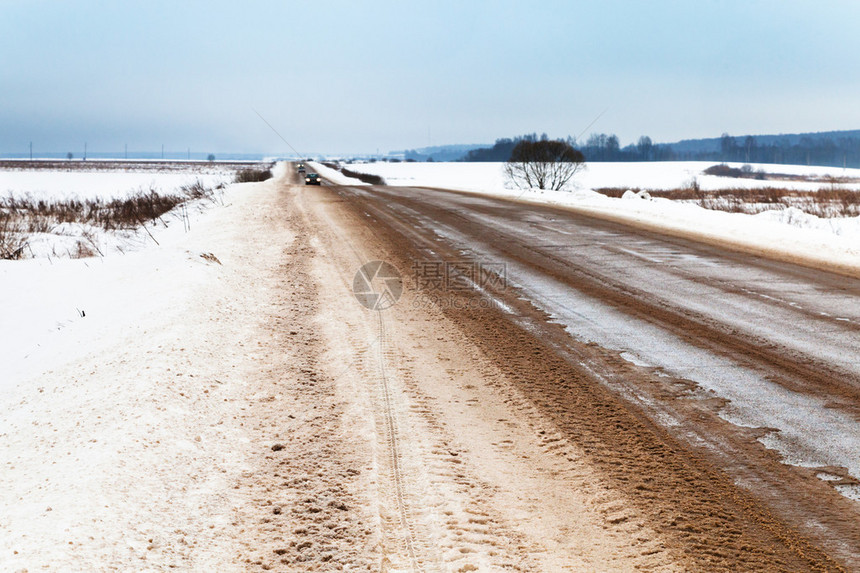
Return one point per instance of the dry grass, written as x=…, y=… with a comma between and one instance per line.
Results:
x=13, y=239
x=826, y=202
x=40, y=215
x=23, y=216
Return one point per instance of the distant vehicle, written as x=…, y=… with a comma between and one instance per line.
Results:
x=313, y=179
x=301, y=167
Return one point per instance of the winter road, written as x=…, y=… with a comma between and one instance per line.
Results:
x=718, y=392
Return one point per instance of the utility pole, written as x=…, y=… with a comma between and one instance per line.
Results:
x=31, y=151
x=85, y=151
x=162, y=151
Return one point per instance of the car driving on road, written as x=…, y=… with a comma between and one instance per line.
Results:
x=313, y=179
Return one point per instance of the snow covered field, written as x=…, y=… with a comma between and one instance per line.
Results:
x=649, y=175
x=101, y=184
x=788, y=233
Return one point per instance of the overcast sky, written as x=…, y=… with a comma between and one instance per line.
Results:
x=356, y=76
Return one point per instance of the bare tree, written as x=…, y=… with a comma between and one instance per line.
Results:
x=543, y=164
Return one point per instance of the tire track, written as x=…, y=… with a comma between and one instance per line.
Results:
x=394, y=449
x=417, y=548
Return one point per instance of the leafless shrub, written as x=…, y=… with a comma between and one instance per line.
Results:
x=196, y=190
x=543, y=164
x=723, y=170
x=747, y=172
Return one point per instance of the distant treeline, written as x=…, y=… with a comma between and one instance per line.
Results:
x=810, y=149
x=830, y=149
x=598, y=147
x=501, y=151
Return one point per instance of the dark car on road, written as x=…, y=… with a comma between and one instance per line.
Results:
x=313, y=179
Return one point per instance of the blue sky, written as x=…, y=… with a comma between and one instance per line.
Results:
x=351, y=76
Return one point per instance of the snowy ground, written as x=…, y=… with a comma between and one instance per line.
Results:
x=88, y=397
x=788, y=233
